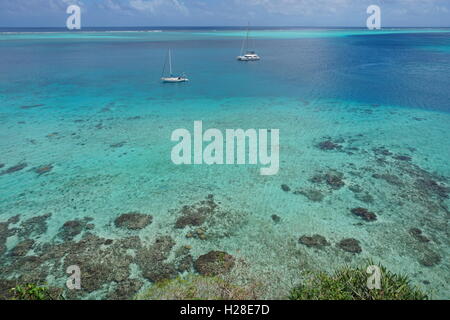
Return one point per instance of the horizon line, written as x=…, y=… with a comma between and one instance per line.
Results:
x=223, y=26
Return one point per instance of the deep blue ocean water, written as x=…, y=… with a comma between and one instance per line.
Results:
x=91, y=105
x=406, y=69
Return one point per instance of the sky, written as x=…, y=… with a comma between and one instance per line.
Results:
x=315, y=13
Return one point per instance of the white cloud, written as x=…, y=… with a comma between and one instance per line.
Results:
x=13, y=6
x=329, y=7
x=152, y=6
x=300, y=7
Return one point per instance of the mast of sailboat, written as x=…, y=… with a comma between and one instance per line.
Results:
x=170, y=61
x=245, y=42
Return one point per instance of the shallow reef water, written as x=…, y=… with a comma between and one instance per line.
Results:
x=86, y=177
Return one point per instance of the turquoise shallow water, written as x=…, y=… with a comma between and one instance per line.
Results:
x=85, y=132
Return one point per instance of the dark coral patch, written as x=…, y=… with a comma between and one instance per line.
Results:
x=403, y=158
x=5, y=233
x=22, y=248
x=431, y=187
x=15, y=168
x=430, y=259
x=118, y=145
x=125, y=290
x=185, y=264
x=183, y=259
x=328, y=145
x=365, y=214
x=99, y=266
x=285, y=188
x=389, y=178
x=318, y=178
x=382, y=151
x=71, y=229
x=160, y=271
x=95, y=274
x=43, y=169
x=133, y=221
x=350, y=245
x=32, y=106
x=34, y=226
x=214, y=263
x=190, y=219
x=364, y=197
x=199, y=233
x=14, y=219
x=315, y=241
x=152, y=260
x=275, y=218
x=5, y=289
x=311, y=194
x=334, y=179
x=355, y=188
x=196, y=215
x=417, y=234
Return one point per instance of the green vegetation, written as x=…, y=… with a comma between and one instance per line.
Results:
x=31, y=292
x=350, y=283
x=197, y=287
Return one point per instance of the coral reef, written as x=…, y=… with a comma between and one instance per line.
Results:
x=402, y=158
x=350, y=245
x=365, y=214
x=22, y=248
x=311, y=194
x=275, y=218
x=71, y=229
x=17, y=167
x=198, y=233
x=430, y=259
x=315, y=241
x=118, y=144
x=417, y=234
x=214, y=263
x=328, y=145
x=389, y=178
x=364, y=197
x=152, y=260
x=34, y=226
x=125, y=290
x=6, y=232
x=432, y=187
x=334, y=179
x=196, y=215
x=32, y=106
x=43, y=169
x=206, y=220
x=133, y=221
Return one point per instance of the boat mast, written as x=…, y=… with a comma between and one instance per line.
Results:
x=245, y=42
x=248, y=34
x=170, y=62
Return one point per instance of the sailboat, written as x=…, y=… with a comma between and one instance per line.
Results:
x=249, y=55
x=172, y=78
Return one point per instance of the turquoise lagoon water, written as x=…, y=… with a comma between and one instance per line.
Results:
x=85, y=132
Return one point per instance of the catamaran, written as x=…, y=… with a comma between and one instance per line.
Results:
x=249, y=55
x=172, y=78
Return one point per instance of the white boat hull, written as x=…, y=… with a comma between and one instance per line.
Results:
x=174, y=80
x=249, y=58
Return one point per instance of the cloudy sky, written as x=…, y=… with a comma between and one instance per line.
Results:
x=51, y=13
